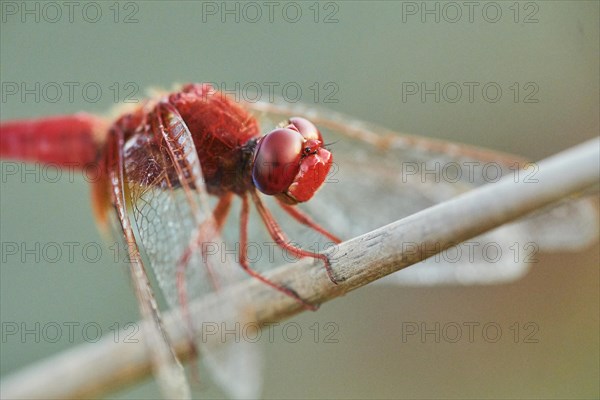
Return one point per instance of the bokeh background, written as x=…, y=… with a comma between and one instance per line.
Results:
x=362, y=54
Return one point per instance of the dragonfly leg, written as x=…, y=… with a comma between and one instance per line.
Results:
x=219, y=215
x=243, y=258
x=282, y=241
x=304, y=219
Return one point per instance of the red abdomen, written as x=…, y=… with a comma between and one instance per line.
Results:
x=70, y=140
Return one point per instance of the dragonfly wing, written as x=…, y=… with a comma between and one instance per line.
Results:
x=169, y=205
x=577, y=220
x=168, y=370
x=241, y=378
x=380, y=176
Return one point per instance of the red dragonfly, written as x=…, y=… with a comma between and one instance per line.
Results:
x=172, y=167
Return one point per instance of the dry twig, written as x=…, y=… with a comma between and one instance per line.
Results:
x=94, y=369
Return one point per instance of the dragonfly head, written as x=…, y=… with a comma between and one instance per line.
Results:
x=291, y=162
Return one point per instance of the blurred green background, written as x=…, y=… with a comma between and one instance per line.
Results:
x=362, y=54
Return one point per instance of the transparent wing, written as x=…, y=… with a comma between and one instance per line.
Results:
x=381, y=176
x=169, y=206
x=167, y=369
x=164, y=219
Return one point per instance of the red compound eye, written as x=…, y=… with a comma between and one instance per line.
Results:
x=277, y=160
x=306, y=128
x=290, y=162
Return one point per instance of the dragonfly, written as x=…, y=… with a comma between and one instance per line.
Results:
x=174, y=168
